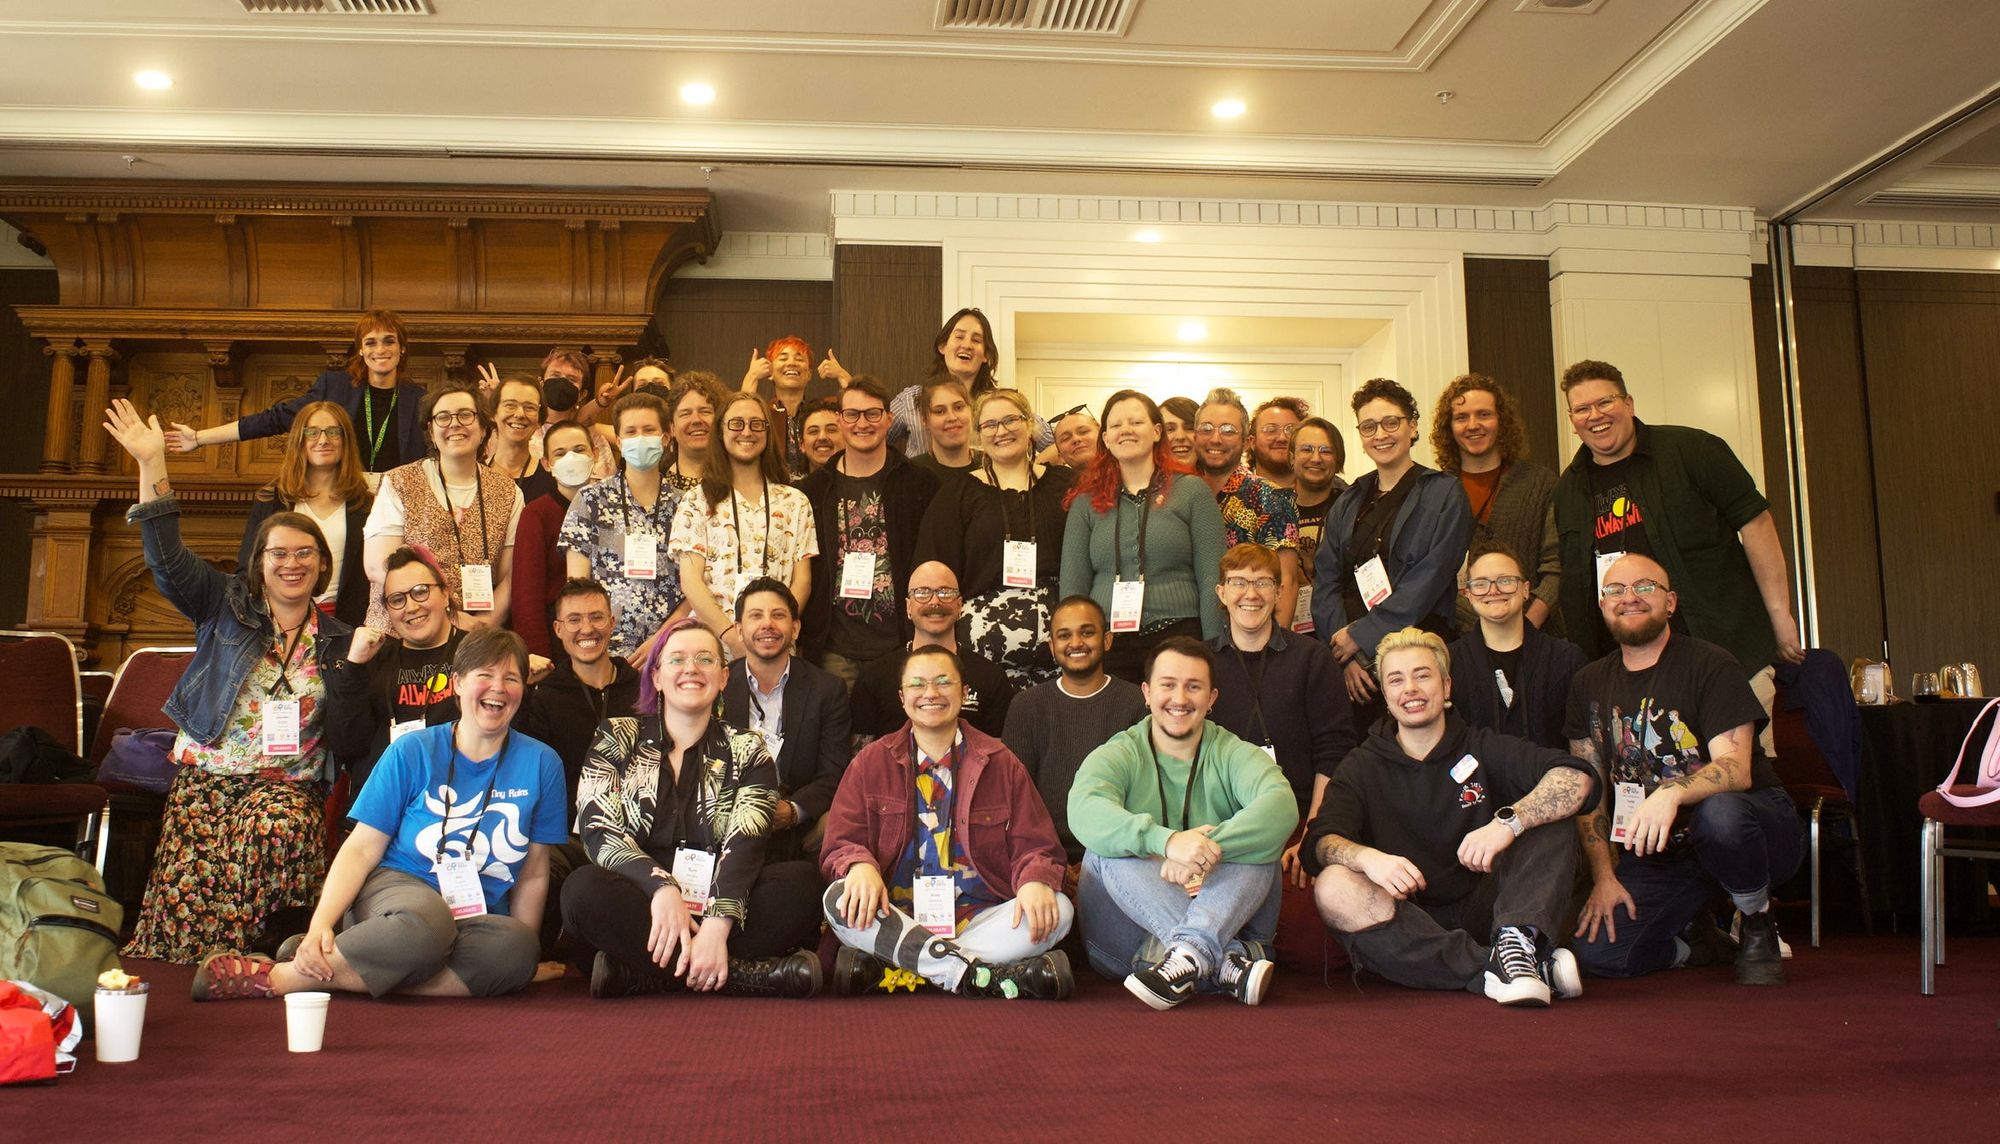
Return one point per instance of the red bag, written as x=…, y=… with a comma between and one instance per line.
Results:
x=36, y=1032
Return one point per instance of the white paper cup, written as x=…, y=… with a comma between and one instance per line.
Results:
x=119, y=1021
x=305, y=1021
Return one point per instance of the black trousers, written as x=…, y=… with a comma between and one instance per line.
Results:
x=604, y=910
x=1127, y=657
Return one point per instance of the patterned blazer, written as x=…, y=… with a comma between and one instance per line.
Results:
x=633, y=815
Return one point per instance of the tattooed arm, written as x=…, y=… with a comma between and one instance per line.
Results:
x=1728, y=769
x=1394, y=873
x=1560, y=794
x=1600, y=909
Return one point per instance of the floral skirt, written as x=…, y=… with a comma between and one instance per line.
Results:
x=1010, y=627
x=233, y=850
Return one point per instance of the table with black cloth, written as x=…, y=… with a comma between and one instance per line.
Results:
x=1907, y=749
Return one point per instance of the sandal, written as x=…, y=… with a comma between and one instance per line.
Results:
x=232, y=976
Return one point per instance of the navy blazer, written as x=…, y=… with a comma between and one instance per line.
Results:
x=337, y=386
x=1426, y=545
x=815, y=752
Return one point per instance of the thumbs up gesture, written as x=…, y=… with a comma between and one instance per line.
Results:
x=760, y=370
x=831, y=368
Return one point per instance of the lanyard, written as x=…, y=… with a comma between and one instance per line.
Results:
x=696, y=754
x=450, y=772
x=764, y=562
x=284, y=682
x=626, y=503
x=1256, y=685
x=458, y=538
x=1160, y=781
x=1006, y=521
x=377, y=433
x=1118, y=524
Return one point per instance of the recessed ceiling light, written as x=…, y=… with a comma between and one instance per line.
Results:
x=1147, y=236
x=1192, y=331
x=1229, y=109
x=153, y=80
x=697, y=93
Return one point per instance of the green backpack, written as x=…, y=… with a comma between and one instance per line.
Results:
x=58, y=928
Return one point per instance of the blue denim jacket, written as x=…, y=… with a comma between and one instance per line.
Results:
x=232, y=628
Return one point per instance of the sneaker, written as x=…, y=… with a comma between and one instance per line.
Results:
x=1245, y=976
x=1513, y=971
x=1044, y=978
x=855, y=973
x=1760, y=961
x=1560, y=971
x=227, y=975
x=610, y=977
x=1167, y=983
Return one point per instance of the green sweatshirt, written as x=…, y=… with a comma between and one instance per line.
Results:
x=1115, y=811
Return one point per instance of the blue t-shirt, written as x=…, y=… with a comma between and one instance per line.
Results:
x=406, y=797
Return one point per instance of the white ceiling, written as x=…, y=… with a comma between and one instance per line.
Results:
x=1754, y=103
x=1037, y=334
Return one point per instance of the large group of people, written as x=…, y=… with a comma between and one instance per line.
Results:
x=920, y=677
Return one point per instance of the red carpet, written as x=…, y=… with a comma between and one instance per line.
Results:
x=1848, y=1050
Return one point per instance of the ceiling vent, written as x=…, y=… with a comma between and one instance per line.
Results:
x=1059, y=17
x=1566, y=7
x=338, y=7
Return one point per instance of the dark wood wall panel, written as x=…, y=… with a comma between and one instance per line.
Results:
x=1510, y=339
x=887, y=304
x=24, y=379
x=1775, y=480
x=1931, y=349
x=714, y=323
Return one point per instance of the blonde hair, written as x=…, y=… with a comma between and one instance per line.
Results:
x=1012, y=397
x=1406, y=638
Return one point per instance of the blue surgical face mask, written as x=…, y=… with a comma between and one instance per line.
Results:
x=642, y=452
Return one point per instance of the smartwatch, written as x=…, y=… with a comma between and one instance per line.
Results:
x=1506, y=817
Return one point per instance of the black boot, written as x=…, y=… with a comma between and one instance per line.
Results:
x=1044, y=978
x=794, y=975
x=855, y=973
x=1759, y=961
x=610, y=977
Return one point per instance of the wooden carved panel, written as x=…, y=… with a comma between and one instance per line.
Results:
x=412, y=258
x=192, y=244
x=291, y=263
x=175, y=387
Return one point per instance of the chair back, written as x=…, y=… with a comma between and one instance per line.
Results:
x=138, y=692
x=1797, y=759
x=42, y=687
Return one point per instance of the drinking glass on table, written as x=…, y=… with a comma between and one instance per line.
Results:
x=1924, y=685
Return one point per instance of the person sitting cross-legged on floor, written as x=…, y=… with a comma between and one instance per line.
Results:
x=1438, y=832
x=944, y=864
x=1182, y=825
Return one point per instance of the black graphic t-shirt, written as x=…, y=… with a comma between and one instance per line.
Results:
x=863, y=629
x=1507, y=666
x=1312, y=525
x=1618, y=522
x=423, y=679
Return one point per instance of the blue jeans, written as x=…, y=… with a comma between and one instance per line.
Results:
x=1124, y=901
x=1743, y=841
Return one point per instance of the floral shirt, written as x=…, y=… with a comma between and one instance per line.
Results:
x=239, y=752
x=741, y=541
x=1254, y=511
x=599, y=520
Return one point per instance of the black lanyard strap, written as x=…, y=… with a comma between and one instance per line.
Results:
x=1160, y=781
x=1118, y=525
x=1006, y=517
x=451, y=772
x=285, y=652
x=764, y=562
x=451, y=511
x=950, y=794
x=626, y=504
x=1256, y=685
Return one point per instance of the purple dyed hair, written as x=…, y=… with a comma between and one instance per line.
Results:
x=649, y=692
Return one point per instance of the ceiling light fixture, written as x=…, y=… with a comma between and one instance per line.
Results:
x=1192, y=331
x=697, y=93
x=1229, y=109
x=1146, y=236
x=153, y=80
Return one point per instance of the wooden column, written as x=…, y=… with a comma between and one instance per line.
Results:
x=95, y=443
x=224, y=374
x=59, y=566
x=603, y=367
x=62, y=379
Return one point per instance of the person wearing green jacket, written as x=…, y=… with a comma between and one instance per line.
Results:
x=1182, y=824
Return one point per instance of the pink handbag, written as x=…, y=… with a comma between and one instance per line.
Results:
x=1987, y=775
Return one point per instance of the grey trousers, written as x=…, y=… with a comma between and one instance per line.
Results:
x=399, y=933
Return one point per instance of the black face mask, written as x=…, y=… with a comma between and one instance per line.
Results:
x=559, y=393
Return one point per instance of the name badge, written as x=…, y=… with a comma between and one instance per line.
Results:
x=475, y=583
x=937, y=903
x=1372, y=579
x=458, y=881
x=695, y=871
x=1604, y=562
x=1463, y=767
x=1270, y=752
x=1128, y=603
x=1302, y=612
x=1630, y=795
x=1017, y=567
x=857, y=576
x=281, y=726
x=642, y=557
x=398, y=730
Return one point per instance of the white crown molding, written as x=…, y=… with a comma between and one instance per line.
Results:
x=1897, y=245
x=1942, y=185
x=782, y=255
x=1255, y=355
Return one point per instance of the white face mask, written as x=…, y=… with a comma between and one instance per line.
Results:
x=572, y=470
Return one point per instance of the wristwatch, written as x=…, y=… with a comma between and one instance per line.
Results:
x=1506, y=817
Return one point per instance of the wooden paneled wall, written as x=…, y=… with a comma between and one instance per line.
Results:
x=713, y=323
x=887, y=305
x=24, y=381
x=1508, y=338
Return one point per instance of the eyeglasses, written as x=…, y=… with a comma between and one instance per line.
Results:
x=919, y=683
x=1219, y=430
x=291, y=555
x=1637, y=588
x=1485, y=584
x=699, y=659
x=1313, y=450
x=1385, y=425
x=512, y=406
x=594, y=619
x=445, y=418
x=416, y=594
x=739, y=424
x=1601, y=405
x=1275, y=430
x=851, y=416
x=1244, y=583
x=926, y=595
x=323, y=433
x=1008, y=423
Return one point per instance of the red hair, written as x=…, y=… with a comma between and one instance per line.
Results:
x=1101, y=478
x=771, y=351
x=374, y=321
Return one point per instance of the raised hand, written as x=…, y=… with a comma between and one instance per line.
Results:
x=183, y=438
x=365, y=642
x=489, y=377
x=760, y=369
x=140, y=436
x=831, y=368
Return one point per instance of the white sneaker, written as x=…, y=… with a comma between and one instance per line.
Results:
x=1560, y=971
x=1513, y=973
x=1245, y=976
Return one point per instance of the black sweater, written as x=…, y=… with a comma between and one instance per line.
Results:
x=969, y=522
x=906, y=493
x=1541, y=691
x=1290, y=696
x=564, y=712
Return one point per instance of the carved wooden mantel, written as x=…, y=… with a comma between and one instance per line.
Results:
x=203, y=301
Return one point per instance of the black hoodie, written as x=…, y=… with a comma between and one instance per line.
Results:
x=564, y=712
x=1381, y=797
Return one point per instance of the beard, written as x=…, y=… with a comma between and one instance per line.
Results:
x=1640, y=631
x=1222, y=470
x=1274, y=467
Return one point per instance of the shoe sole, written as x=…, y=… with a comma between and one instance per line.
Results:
x=1532, y=992
x=1566, y=980
x=1157, y=1003
x=1065, y=980
x=843, y=971
x=816, y=978
x=1255, y=983
x=1761, y=973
